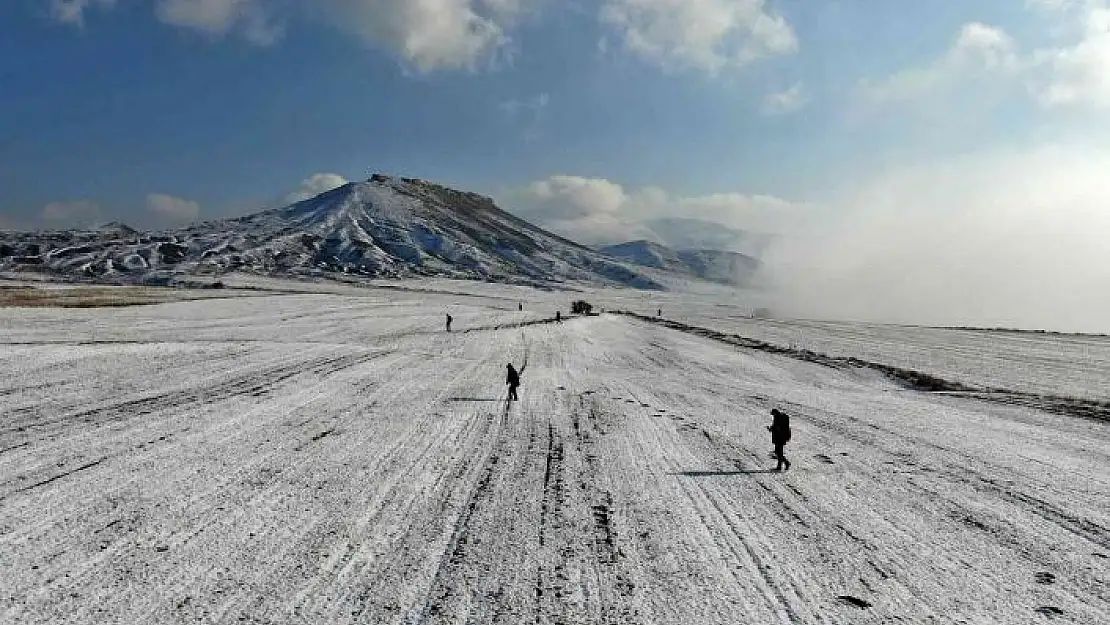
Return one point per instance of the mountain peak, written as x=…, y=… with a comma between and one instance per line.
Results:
x=387, y=226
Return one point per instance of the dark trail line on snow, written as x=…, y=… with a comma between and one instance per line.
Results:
x=914, y=380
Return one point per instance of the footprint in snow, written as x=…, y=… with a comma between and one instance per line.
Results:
x=1049, y=610
x=854, y=601
x=1045, y=578
x=825, y=459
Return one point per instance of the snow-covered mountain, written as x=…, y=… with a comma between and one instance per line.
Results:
x=685, y=233
x=717, y=266
x=646, y=254
x=385, y=227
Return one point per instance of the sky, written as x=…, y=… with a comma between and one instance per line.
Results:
x=892, y=143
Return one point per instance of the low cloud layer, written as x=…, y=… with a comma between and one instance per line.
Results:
x=74, y=213
x=596, y=210
x=315, y=185
x=172, y=209
x=1014, y=239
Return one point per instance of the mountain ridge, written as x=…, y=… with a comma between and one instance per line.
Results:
x=720, y=266
x=385, y=227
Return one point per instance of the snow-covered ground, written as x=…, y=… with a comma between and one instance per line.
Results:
x=338, y=458
x=1054, y=364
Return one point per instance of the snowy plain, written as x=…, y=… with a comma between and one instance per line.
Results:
x=336, y=457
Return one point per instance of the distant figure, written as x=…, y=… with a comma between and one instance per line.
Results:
x=558, y=316
x=659, y=313
x=513, y=380
x=520, y=306
x=780, y=435
x=449, y=322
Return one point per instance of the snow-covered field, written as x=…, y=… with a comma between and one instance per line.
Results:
x=1066, y=365
x=338, y=458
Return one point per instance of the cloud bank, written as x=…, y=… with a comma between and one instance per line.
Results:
x=79, y=213
x=598, y=211
x=170, y=208
x=1014, y=239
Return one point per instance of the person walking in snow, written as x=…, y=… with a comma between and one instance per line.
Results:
x=558, y=316
x=780, y=435
x=448, y=322
x=520, y=306
x=513, y=380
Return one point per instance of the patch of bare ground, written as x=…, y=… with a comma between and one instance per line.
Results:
x=23, y=296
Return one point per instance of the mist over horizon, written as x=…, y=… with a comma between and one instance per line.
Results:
x=1004, y=239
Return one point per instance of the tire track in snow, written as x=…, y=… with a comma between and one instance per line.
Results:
x=453, y=555
x=959, y=472
x=255, y=384
x=713, y=518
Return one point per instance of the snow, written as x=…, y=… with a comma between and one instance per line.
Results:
x=386, y=227
x=336, y=457
x=1067, y=365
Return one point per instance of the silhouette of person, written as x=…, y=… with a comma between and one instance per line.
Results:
x=520, y=306
x=659, y=313
x=558, y=316
x=780, y=435
x=449, y=322
x=513, y=380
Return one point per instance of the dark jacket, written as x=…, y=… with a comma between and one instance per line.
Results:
x=780, y=428
x=513, y=379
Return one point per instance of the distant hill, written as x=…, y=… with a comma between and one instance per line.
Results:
x=384, y=227
x=714, y=265
x=682, y=233
x=646, y=254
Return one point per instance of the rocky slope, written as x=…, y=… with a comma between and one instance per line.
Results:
x=385, y=227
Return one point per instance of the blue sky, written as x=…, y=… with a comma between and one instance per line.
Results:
x=227, y=105
x=940, y=161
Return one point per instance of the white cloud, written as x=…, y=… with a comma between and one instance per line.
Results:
x=1078, y=74
x=596, y=210
x=73, y=213
x=315, y=185
x=1002, y=238
x=73, y=11
x=172, y=208
x=704, y=35
x=426, y=34
x=217, y=18
x=788, y=101
x=1074, y=73
x=516, y=106
x=431, y=34
x=978, y=51
x=527, y=115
